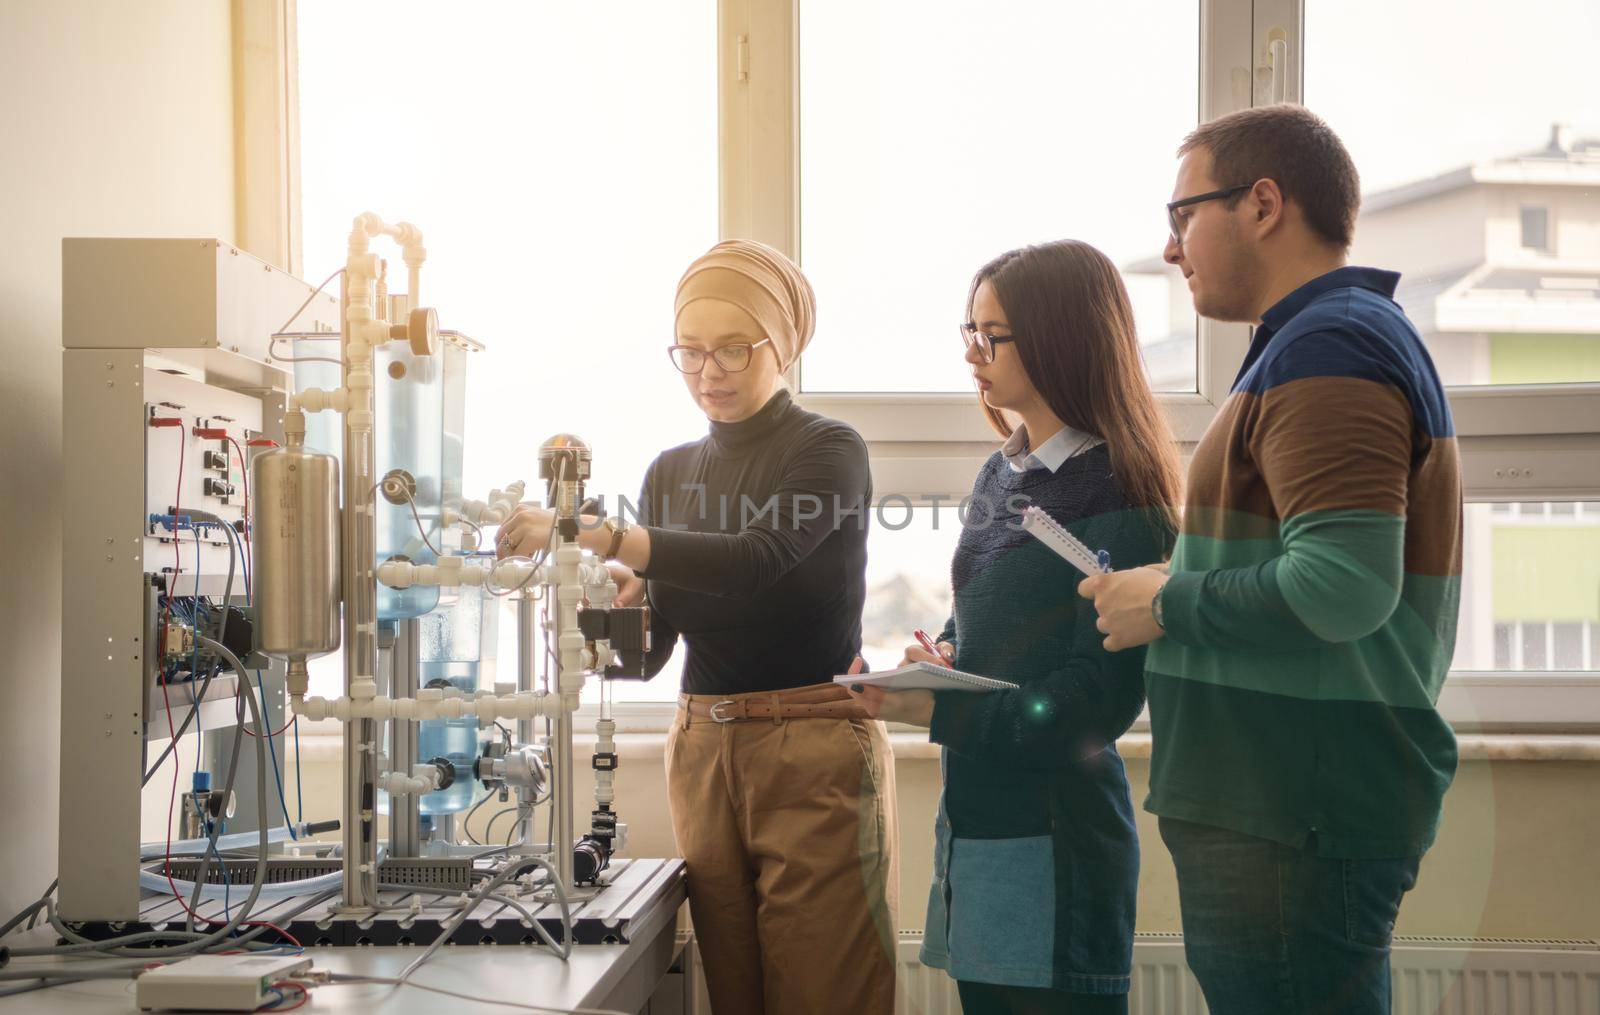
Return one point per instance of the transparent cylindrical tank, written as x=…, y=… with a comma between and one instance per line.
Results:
x=453, y=445
x=310, y=371
x=408, y=423
x=409, y=394
x=457, y=647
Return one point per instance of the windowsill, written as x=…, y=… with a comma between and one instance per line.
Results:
x=324, y=746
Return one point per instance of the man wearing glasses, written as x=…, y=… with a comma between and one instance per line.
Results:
x=1298, y=646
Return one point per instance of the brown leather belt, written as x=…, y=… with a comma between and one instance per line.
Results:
x=817, y=701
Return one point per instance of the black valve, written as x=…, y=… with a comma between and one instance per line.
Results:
x=447, y=771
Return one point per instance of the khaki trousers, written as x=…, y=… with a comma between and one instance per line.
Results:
x=787, y=828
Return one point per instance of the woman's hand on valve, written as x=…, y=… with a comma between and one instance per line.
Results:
x=630, y=587
x=912, y=707
x=526, y=532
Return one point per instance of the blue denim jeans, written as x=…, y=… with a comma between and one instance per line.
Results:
x=1271, y=930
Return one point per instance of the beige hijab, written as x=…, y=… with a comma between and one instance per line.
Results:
x=763, y=283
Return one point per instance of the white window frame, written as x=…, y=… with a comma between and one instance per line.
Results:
x=1517, y=443
x=1532, y=442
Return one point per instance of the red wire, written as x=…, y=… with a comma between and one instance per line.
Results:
x=161, y=659
x=305, y=995
x=251, y=733
x=172, y=799
x=244, y=473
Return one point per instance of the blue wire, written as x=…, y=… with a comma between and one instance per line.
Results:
x=299, y=793
x=194, y=665
x=276, y=775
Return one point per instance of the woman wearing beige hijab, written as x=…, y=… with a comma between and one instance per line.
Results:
x=752, y=543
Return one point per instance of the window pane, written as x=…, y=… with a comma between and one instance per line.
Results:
x=936, y=135
x=908, y=577
x=556, y=230
x=1530, y=593
x=1566, y=639
x=1479, y=186
x=1536, y=228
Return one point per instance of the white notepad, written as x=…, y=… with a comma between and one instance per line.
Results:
x=926, y=676
x=1067, y=546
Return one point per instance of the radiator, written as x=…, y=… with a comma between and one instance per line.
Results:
x=1432, y=976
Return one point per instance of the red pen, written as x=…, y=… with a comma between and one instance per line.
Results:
x=927, y=642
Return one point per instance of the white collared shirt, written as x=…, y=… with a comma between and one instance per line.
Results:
x=1062, y=445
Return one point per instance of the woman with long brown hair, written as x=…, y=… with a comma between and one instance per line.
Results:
x=1037, y=862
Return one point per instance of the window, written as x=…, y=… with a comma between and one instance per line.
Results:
x=866, y=139
x=1530, y=592
x=909, y=548
x=561, y=161
x=934, y=136
x=1536, y=229
x=1466, y=174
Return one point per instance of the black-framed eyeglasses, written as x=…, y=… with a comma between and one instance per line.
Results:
x=733, y=357
x=985, y=341
x=1175, y=221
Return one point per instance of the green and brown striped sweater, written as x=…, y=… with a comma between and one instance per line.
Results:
x=1311, y=613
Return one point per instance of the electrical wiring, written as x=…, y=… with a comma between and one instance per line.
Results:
x=246, y=940
x=211, y=839
x=28, y=911
x=301, y=309
x=488, y=829
x=512, y=870
x=194, y=665
x=305, y=995
x=299, y=792
x=166, y=612
x=244, y=475
x=273, y=349
x=173, y=742
x=201, y=941
x=468, y=817
x=411, y=502
x=236, y=552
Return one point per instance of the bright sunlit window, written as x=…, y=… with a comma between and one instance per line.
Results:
x=936, y=135
x=561, y=162
x=1480, y=164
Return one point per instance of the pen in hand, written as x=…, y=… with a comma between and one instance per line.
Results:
x=927, y=642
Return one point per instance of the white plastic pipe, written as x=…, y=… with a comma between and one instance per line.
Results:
x=428, y=705
x=423, y=779
x=452, y=571
x=496, y=508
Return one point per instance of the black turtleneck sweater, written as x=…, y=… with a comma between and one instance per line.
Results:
x=755, y=557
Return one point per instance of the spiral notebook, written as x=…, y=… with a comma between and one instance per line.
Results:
x=1067, y=546
x=926, y=676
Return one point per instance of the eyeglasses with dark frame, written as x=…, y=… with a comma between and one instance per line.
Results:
x=1175, y=221
x=985, y=341
x=733, y=357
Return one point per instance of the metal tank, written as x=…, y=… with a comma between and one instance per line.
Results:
x=294, y=542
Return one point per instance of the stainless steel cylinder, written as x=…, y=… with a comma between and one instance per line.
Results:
x=294, y=540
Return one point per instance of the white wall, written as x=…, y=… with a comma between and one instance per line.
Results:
x=117, y=120
x=1440, y=233
x=1514, y=857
